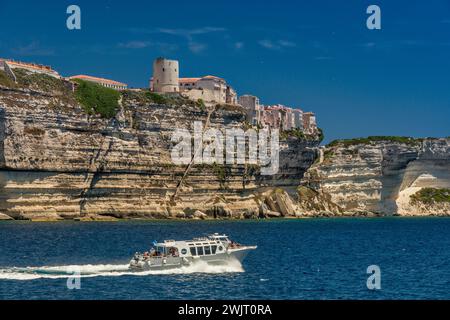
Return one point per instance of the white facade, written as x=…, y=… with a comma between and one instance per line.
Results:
x=209, y=88
x=309, y=122
x=298, y=118
x=251, y=105
x=107, y=83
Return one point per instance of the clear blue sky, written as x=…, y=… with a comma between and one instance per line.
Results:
x=315, y=55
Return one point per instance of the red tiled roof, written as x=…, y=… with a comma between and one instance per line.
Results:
x=29, y=65
x=183, y=80
x=96, y=79
x=212, y=77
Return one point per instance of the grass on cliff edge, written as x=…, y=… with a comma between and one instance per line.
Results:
x=368, y=140
x=97, y=99
x=431, y=195
x=6, y=81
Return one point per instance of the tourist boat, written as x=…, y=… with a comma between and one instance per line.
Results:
x=215, y=249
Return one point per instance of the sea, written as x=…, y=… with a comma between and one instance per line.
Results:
x=332, y=258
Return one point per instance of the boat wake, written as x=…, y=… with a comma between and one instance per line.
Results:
x=109, y=270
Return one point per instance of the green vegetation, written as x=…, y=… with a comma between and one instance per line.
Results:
x=370, y=139
x=41, y=82
x=251, y=170
x=156, y=98
x=144, y=97
x=431, y=195
x=328, y=154
x=296, y=133
x=321, y=134
x=299, y=134
x=201, y=104
x=221, y=173
x=5, y=80
x=220, y=170
x=97, y=99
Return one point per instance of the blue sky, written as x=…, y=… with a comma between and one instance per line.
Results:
x=315, y=55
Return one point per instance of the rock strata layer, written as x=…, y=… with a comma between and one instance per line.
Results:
x=377, y=178
x=56, y=162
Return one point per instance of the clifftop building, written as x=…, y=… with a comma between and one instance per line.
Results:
x=102, y=81
x=252, y=107
x=277, y=116
x=210, y=89
x=165, y=76
x=30, y=67
x=309, y=122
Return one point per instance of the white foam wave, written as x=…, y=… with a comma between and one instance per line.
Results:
x=109, y=270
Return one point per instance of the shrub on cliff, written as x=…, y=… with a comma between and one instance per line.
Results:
x=321, y=135
x=6, y=81
x=41, y=82
x=370, y=139
x=97, y=99
x=156, y=98
x=431, y=195
x=295, y=133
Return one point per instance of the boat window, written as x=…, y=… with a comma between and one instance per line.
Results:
x=213, y=248
x=183, y=251
x=207, y=250
x=193, y=251
x=200, y=251
x=220, y=248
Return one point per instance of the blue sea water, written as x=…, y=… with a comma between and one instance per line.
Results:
x=295, y=259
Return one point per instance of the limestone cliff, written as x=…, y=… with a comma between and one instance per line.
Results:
x=378, y=176
x=57, y=162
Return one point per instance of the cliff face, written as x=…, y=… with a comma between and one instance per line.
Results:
x=378, y=177
x=56, y=162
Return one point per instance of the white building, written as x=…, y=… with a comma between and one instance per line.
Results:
x=309, y=123
x=107, y=83
x=209, y=88
x=252, y=107
x=298, y=118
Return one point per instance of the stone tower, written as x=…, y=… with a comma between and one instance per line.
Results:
x=165, y=75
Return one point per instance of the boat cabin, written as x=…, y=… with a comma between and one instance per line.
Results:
x=213, y=244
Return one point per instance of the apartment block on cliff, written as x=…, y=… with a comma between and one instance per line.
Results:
x=309, y=123
x=210, y=89
x=252, y=107
x=102, y=81
x=277, y=116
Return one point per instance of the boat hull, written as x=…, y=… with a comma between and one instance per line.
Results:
x=168, y=263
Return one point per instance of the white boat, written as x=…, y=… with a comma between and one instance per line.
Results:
x=215, y=249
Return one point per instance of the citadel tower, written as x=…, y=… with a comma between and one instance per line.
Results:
x=165, y=76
